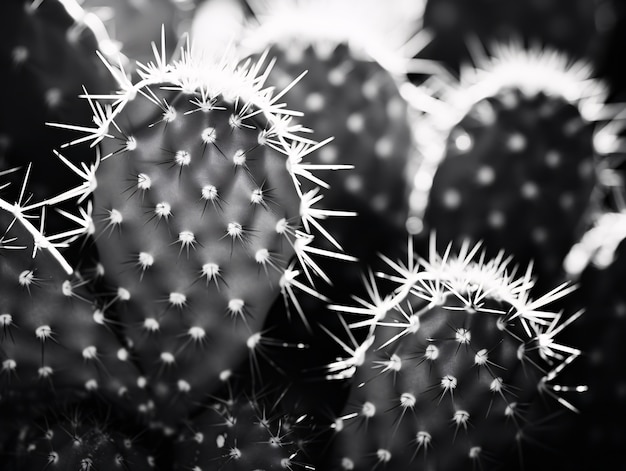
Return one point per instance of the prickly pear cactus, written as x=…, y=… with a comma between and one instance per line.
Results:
x=453, y=358
x=198, y=213
x=515, y=164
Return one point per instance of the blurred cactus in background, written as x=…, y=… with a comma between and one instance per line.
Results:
x=299, y=234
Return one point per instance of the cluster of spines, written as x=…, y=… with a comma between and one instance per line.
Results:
x=452, y=359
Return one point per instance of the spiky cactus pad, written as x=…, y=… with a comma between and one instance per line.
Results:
x=453, y=358
x=513, y=161
x=198, y=211
x=56, y=341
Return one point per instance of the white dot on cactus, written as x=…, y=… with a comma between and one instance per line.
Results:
x=394, y=363
x=19, y=54
x=475, y=452
x=145, y=259
x=9, y=365
x=210, y=270
x=383, y=455
x=53, y=457
x=115, y=217
x=53, y=97
x=99, y=270
x=354, y=183
x=142, y=382
x=314, y=102
x=328, y=154
x=235, y=453
x=461, y=417
x=262, y=256
x=347, y=464
x=66, y=288
x=163, y=210
x=90, y=352
x=481, y=357
x=485, y=175
x=496, y=385
x=144, y=182
x=151, y=324
x=253, y=340
x=26, y=277
x=234, y=121
x=167, y=358
x=131, y=144
x=355, y=123
x=337, y=76
x=43, y=332
x=463, y=336
x=383, y=148
x=45, y=372
x=234, y=230
x=448, y=382
x=286, y=463
x=380, y=202
x=177, y=299
x=414, y=225
x=530, y=190
x=236, y=306
x=516, y=142
x=209, y=135
x=496, y=219
x=371, y=88
x=368, y=409
x=509, y=410
x=6, y=320
x=209, y=193
x=239, y=158
x=182, y=158
x=186, y=238
x=521, y=352
x=123, y=294
x=91, y=385
x=338, y=424
x=220, y=441
x=423, y=438
x=169, y=114
x=282, y=226
x=196, y=333
x=407, y=400
x=451, y=198
x=539, y=235
x=225, y=375
x=463, y=142
x=431, y=353
x=553, y=159
x=122, y=354
x=256, y=197
x=183, y=386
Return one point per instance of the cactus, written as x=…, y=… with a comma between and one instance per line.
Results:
x=170, y=242
x=516, y=164
x=197, y=214
x=452, y=360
